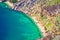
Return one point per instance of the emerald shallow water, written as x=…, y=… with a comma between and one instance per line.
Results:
x=15, y=25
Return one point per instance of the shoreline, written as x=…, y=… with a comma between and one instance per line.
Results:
x=40, y=26
x=34, y=18
x=10, y=4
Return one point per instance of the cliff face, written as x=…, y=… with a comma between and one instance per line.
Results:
x=52, y=10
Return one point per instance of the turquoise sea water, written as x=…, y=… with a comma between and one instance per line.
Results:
x=15, y=25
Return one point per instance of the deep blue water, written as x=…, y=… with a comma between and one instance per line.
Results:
x=15, y=25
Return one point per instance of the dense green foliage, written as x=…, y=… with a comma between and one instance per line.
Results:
x=13, y=1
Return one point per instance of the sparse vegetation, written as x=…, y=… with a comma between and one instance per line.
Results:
x=52, y=2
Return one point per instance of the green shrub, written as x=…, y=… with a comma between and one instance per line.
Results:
x=13, y=1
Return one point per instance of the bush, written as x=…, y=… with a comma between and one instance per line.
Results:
x=13, y=1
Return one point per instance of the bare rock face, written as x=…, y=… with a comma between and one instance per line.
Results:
x=25, y=5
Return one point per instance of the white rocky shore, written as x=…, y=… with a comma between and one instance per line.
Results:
x=40, y=26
